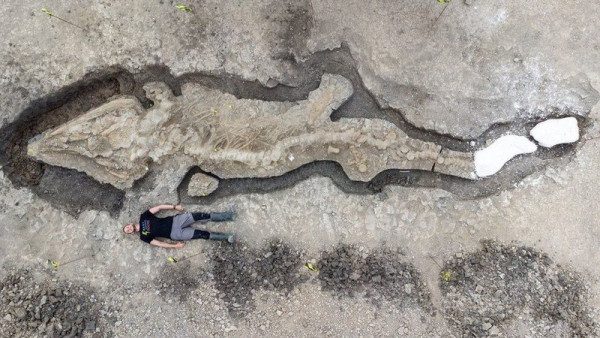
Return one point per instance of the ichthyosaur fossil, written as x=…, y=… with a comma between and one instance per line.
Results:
x=230, y=137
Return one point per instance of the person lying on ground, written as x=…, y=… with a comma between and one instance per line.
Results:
x=177, y=227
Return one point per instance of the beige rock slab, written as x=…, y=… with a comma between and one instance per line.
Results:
x=202, y=185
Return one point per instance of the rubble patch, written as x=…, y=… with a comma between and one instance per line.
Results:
x=239, y=270
x=377, y=274
x=485, y=290
x=53, y=308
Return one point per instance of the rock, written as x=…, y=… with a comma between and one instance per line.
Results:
x=43, y=300
x=20, y=313
x=271, y=83
x=382, y=196
x=494, y=331
x=333, y=150
x=90, y=326
x=202, y=185
x=408, y=288
x=486, y=326
x=230, y=328
x=7, y=317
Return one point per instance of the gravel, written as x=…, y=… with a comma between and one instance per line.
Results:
x=52, y=307
x=486, y=289
x=178, y=281
x=239, y=270
x=380, y=275
x=346, y=271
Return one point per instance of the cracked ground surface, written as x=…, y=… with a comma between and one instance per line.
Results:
x=399, y=259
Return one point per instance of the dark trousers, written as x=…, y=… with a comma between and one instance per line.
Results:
x=200, y=216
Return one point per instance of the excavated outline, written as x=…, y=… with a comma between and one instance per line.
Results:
x=361, y=104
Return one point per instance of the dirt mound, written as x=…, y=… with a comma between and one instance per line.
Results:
x=346, y=271
x=50, y=308
x=488, y=288
x=239, y=270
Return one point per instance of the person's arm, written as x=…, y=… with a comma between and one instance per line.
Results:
x=167, y=245
x=158, y=208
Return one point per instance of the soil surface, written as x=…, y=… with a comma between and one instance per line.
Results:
x=408, y=254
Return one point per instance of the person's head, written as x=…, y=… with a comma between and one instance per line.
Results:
x=129, y=228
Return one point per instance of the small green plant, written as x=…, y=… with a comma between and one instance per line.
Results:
x=184, y=8
x=446, y=275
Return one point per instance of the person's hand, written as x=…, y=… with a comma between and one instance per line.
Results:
x=179, y=245
x=179, y=207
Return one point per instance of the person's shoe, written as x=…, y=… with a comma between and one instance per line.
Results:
x=223, y=216
x=216, y=236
